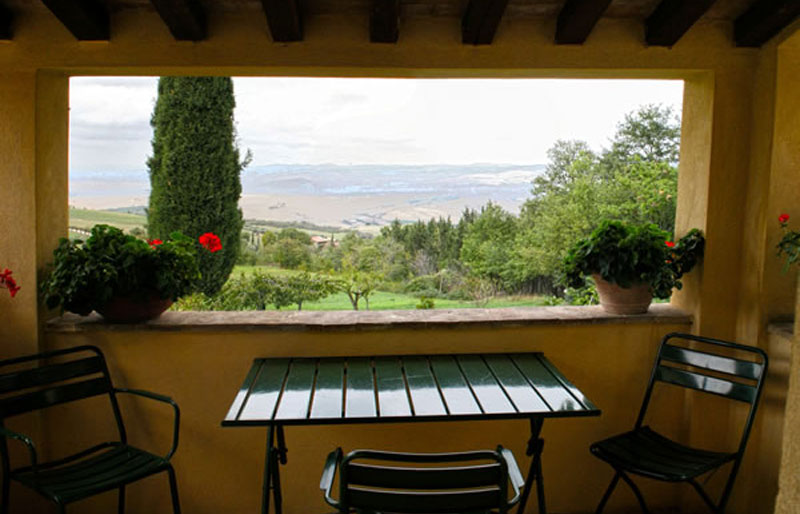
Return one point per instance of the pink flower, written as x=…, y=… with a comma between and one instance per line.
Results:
x=211, y=242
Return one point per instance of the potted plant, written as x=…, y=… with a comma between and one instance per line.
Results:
x=631, y=264
x=789, y=245
x=124, y=278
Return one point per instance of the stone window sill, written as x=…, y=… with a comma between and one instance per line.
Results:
x=370, y=320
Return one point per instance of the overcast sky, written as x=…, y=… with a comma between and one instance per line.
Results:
x=370, y=121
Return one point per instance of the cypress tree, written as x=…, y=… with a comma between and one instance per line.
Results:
x=195, y=169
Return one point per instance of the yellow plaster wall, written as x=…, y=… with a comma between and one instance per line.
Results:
x=737, y=163
x=220, y=469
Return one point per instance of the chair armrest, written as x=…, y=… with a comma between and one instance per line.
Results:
x=6, y=432
x=514, y=474
x=164, y=399
x=328, y=475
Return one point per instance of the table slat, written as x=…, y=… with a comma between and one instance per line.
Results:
x=392, y=393
x=490, y=394
x=454, y=386
x=263, y=397
x=522, y=394
x=360, y=398
x=296, y=396
x=422, y=387
x=548, y=387
x=567, y=384
x=241, y=396
x=329, y=390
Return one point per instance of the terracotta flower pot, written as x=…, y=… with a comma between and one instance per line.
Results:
x=122, y=309
x=623, y=300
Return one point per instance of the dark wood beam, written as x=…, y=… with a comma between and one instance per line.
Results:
x=284, y=20
x=577, y=19
x=185, y=19
x=672, y=18
x=86, y=19
x=384, y=18
x=764, y=20
x=6, y=18
x=480, y=21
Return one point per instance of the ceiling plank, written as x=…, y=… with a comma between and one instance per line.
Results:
x=6, y=18
x=577, y=19
x=86, y=19
x=672, y=19
x=763, y=20
x=384, y=19
x=185, y=19
x=480, y=21
x=284, y=20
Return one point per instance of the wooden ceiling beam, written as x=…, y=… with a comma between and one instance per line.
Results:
x=86, y=19
x=577, y=19
x=480, y=21
x=185, y=19
x=672, y=19
x=6, y=18
x=763, y=20
x=284, y=20
x=384, y=19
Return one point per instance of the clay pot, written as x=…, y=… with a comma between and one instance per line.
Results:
x=122, y=309
x=623, y=300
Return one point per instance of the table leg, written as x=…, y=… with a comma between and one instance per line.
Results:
x=535, y=447
x=275, y=456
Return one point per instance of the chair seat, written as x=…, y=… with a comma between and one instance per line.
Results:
x=648, y=453
x=81, y=476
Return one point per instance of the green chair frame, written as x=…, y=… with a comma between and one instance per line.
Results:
x=701, y=364
x=35, y=382
x=445, y=484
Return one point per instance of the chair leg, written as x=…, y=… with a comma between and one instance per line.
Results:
x=709, y=502
x=607, y=495
x=173, y=489
x=636, y=491
x=6, y=491
x=121, y=500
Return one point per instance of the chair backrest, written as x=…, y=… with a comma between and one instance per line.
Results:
x=376, y=481
x=35, y=382
x=709, y=366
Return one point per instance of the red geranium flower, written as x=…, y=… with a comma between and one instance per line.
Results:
x=7, y=281
x=210, y=241
x=783, y=218
x=154, y=242
x=669, y=244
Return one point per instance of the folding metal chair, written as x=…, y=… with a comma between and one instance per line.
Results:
x=378, y=481
x=43, y=380
x=702, y=364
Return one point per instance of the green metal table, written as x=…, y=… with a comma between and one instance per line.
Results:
x=278, y=392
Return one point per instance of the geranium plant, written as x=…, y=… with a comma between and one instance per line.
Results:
x=626, y=254
x=789, y=245
x=8, y=282
x=86, y=275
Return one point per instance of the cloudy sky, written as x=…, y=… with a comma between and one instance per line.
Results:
x=369, y=121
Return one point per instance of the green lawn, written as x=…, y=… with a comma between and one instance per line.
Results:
x=87, y=218
x=381, y=300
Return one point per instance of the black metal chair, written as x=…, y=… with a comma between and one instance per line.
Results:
x=705, y=365
x=378, y=481
x=43, y=380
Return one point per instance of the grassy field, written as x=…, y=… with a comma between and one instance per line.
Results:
x=383, y=300
x=87, y=218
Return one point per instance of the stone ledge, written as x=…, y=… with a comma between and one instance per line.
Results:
x=207, y=321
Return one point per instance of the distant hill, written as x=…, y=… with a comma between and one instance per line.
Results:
x=339, y=197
